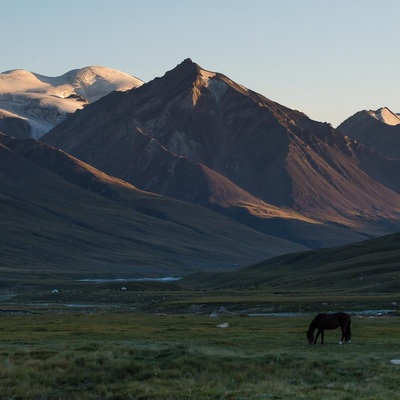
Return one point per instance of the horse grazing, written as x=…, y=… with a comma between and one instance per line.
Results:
x=329, y=321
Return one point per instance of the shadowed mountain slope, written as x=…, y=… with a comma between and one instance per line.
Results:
x=376, y=144
x=379, y=167
x=63, y=218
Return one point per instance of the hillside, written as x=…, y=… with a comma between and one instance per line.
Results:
x=369, y=267
x=61, y=218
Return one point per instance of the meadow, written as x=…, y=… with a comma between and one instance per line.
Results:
x=126, y=355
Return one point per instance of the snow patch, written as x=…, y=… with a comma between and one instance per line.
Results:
x=385, y=115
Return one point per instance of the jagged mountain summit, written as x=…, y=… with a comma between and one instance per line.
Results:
x=191, y=118
x=32, y=104
x=379, y=130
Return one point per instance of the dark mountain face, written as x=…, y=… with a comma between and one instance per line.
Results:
x=14, y=126
x=132, y=154
x=185, y=133
x=378, y=166
x=376, y=144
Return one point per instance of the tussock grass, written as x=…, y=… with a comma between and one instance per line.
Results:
x=133, y=356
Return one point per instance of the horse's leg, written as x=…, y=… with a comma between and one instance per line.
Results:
x=322, y=336
x=343, y=335
x=348, y=333
x=316, y=336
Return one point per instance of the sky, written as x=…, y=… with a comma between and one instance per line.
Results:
x=326, y=58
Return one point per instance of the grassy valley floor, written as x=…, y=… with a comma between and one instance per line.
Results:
x=132, y=355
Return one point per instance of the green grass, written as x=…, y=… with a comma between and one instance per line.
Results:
x=154, y=297
x=137, y=356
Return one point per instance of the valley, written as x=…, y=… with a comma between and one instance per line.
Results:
x=188, y=189
x=160, y=340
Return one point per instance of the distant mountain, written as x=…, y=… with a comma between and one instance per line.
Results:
x=61, y=218
x=378, y=130
x=193, y=119
x=32, y=104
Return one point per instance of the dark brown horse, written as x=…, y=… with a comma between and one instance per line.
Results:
x=329, y=321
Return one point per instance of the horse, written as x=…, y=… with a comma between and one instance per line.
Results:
x=330, y=321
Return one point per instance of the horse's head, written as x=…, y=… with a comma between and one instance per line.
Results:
x=310, y=337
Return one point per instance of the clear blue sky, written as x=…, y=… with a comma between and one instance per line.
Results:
x=327, y=58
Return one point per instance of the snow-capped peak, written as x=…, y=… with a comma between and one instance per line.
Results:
x=385, y=115
x=44, y=101
x=91, y=83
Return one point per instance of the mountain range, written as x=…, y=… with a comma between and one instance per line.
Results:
x=188, y=171
x=200, y=137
